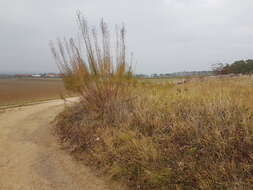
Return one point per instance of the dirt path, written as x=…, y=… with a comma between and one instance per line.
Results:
x=31, y=159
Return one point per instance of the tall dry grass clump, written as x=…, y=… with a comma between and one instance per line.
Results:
x=149, y=135
x=94, y=67
x=100, y=73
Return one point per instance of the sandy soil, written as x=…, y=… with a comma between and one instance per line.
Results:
x=31, y=158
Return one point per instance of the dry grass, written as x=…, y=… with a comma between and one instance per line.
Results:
x=101, y=74
x=19, y=91
x=154, y=135
x=198, y=136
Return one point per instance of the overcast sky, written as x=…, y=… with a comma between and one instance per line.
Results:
x=165, y=35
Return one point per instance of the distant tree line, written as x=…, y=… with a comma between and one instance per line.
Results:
x=177, y=74
x=238, y=67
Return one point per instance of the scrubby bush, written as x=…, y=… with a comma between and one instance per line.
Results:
x=237, y=67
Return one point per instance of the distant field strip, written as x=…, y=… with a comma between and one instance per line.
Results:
x=23, y=91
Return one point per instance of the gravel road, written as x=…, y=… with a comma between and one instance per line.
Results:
x=31, y=158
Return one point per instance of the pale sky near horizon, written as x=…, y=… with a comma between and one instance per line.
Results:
x=164, y=35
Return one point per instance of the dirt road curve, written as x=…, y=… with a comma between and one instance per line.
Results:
x=31, y=159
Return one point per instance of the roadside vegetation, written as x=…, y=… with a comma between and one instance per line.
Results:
x=148, y=134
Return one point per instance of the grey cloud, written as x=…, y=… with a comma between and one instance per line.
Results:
x=165, y=35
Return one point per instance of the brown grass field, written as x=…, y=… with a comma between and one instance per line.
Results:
x=196, y=135
x=21, y=91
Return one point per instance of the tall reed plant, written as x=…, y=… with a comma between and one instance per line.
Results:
x=94, y=67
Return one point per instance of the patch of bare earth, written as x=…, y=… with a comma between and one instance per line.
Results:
x=30, y=157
